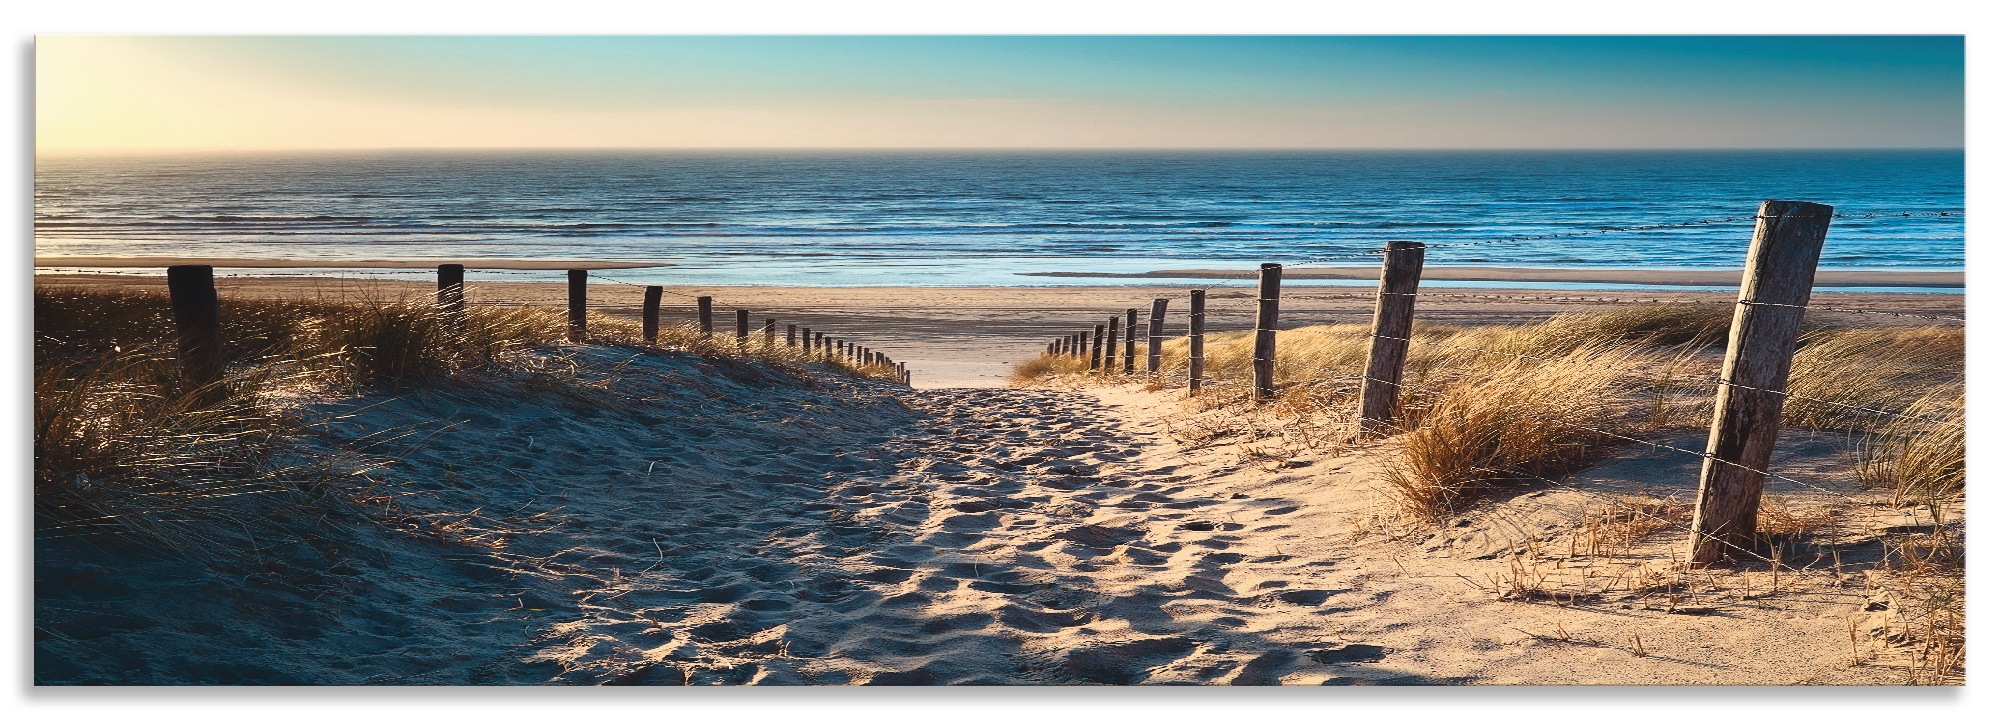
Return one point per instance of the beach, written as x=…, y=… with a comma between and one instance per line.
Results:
x=971, y=336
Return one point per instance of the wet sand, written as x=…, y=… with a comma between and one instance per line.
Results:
x=971, y=336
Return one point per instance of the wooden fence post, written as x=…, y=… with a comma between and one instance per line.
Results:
x=1197, y=320
x=579, y=302
x=1777, y=282
x=1097, y=348
x=742, y=327
x=1131, y=337
x=649, y=315
x=704, y=307
x=1156, y=329
x=1395, y=317
x=451, y=294
x=1111, y=346
x=198, y=323
x=791, y=335
x=1264, y=354
x=770, y=333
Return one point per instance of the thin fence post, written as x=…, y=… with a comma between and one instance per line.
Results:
x=1097, y=348
x=198, y=323
x=579, y=302
x=1264, y=355
x=791, y=335
x=840, y=348
x=1156, y=329
x=1389, y=341
x=1083, y=344
x=742, y=327
x=1131, y=337
x=1197, y=321
x=1111, y=345
x=649, y=316
x=451, y=293
x=770, y=333
x=1777, y=282
x=704, y=308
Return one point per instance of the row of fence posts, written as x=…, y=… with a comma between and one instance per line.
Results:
x=1777, y=282
x=198, y=324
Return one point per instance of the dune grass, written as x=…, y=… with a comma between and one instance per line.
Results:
x=123, y=447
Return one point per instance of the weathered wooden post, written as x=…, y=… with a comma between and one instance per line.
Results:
x=791, y=336
x=819, y=343
x=579, y=303
x=1083, y=344
x=1131, y=337
x=1777, y=282
x=1156, y=333
x=198, y=323
x=451, y=294
x=1264, y=355
x=1197, y=319
x=703, y=313
x=1111, y=345
x=1097, y=348
x=770, y=333
x=649, y=315
x=742, y=328
x=1395, y=319
x=840, y=348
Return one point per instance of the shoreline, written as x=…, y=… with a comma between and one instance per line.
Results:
x=1689, y=278
x=160, y=262
x=972, y=336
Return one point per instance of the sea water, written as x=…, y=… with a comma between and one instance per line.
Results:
x=992, y=218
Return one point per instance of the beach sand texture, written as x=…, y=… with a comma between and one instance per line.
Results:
x=665, y=520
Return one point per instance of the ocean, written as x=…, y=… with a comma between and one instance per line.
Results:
x=992, y=218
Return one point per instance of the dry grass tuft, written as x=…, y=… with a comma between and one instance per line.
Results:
x=1048, y=365
x=1892, y=370
x=1921, y=457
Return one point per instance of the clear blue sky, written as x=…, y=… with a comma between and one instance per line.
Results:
x=1084, y=91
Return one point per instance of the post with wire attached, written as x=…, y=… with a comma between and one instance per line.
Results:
x=579, y=302
x=649, y=316
x=742, y=328
x=1131, y=336
x=1156, y=333
x=791, y=335
x=1097, y=348
x=770, y=333
x=1749, y=402
x=1264, y=355
x=1197, y=320
x=1111, y=346
x=198, y=323
x=451, y=294
x=704, y=317
x=1389, y=341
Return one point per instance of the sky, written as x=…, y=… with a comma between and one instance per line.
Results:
x=97, y=93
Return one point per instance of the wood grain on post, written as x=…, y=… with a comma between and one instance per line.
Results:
x=1395, y=317
x=1131, y=337
x=198, y=326
x=742, y=327
x=1777, y=282
x=1111, y=345
x=1156, y=333
x=649, y=314
x=1197, y=321
x=451, y=293
x=1264, y=354
x=579, y=303
x=1097, y=348
x=704, y=317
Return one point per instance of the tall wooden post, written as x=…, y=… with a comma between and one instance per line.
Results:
x=704, y=317
x=1111, y=346
x=451, y=294
x=1097, y=348
x=819, y=343
x=1777, y=282
x=1264, y=355
x=198, y=323
x=770, y=333
x=1197, y=321
x=1083, y=344
x=579, y=303
x=1131, y=337
x=1395, y=318
x=791, y=335
x=1156, y=333
x=649, y=316
x=742, y=327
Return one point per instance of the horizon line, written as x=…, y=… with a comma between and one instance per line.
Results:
x=982, y=148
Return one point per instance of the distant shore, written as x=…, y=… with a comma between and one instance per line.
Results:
x=1690, y=278
x=153, y=262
